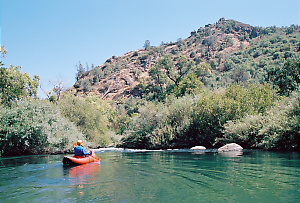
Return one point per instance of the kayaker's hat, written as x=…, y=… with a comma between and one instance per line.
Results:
x=79, y=142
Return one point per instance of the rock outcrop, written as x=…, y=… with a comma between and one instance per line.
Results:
x=230, y=147
x=198, y=148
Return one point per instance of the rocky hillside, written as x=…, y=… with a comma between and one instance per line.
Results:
x=233, y=52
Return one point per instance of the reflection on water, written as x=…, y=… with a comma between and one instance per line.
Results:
x=81, y=175
x=231, y=153
x=155, y=176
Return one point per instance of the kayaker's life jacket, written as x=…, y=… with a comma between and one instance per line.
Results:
x=80, y=151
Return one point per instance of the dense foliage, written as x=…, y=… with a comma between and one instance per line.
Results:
x=15, y=85
x=277, y=128
x=35, y=127
x=286, y=78
x=195, y=120
x=91, y=115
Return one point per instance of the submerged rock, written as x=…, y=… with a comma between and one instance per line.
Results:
x=199, y=147
x=230, y=147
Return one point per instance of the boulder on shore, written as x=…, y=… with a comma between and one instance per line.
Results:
x=230, y=147
x=198, y=148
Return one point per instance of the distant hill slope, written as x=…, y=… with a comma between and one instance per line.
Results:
x=233, y=51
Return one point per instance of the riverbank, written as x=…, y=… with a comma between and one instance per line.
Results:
x=127, y=150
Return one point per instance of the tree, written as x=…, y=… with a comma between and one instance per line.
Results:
x=3, y=51
x=240, y=75
x=167, y=74
x=80, y=71
x=90, y=114
x=202, y=70
x=15, y=86
x=33, y=127
x=209, y=42
x=58, y=87
x=147, y=44
x=175, y=72
x=287, y=77
x=188, y=85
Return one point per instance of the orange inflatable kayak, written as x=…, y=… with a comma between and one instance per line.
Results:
x=77, y=160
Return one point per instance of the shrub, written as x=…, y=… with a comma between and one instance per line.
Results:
x=190, y=120
x=35, y=127
x=91, y=115
x=278, y=128
x=135, y=54
x=160, y=125
x=192, y=55
x=213, y=64
x=215, y=109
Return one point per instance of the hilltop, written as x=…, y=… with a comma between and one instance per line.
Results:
x=228, y=51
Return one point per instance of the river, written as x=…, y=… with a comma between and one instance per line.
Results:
x=154, y=176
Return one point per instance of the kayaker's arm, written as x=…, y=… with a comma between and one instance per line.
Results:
x=84, y=152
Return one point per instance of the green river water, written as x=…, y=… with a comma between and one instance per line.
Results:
x=154, y=176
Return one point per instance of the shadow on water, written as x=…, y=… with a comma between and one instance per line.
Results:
x=22, y=160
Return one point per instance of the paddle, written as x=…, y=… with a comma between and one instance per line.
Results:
x=96, y=159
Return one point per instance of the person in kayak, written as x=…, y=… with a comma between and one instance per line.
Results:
x=79, y=149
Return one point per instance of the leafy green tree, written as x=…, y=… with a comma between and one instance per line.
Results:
x=202, y=70
x=91, y=115
x=15, y=85
x=228, y=65
x=287, y=77
x=33, y=127
x=188, y=120
x=157, y=73
x=167, y=74
x=291, y=29
x=175, y=71
x=188, y=85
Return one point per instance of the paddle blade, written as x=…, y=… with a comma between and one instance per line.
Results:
x=97, y=159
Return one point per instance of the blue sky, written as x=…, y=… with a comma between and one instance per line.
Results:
x=48, y=38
